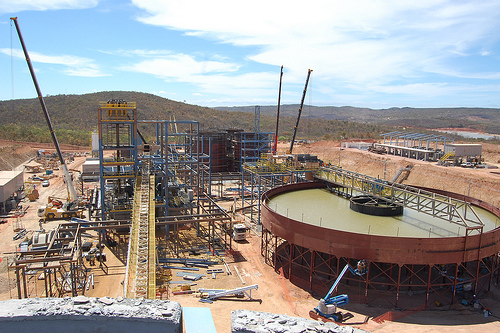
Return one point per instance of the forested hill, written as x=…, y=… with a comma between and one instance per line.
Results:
x=69, y=111
x=73, y=116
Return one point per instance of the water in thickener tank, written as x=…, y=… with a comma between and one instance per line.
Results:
x=322, y=208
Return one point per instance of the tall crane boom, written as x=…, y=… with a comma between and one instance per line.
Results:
x=67, y=177
x=300, y=112
x=275, y=148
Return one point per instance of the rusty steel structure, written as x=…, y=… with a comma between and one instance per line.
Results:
x=402, y=271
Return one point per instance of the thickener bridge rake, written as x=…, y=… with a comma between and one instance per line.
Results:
x=440, y=206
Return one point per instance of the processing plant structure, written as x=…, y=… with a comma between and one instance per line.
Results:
x=150, y=190
x=315, y=222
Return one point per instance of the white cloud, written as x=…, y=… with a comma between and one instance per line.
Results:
x=75, y=66
x=13, y=6
x=137, y=52
x=211, y=77
x=181, y=65
x=89, y=71
x=366, y=43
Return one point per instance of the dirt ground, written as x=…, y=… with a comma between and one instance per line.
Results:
x=481, y=183
x=276, y=294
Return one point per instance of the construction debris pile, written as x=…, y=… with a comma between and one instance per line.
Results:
x=244, y=321
x=50, y=160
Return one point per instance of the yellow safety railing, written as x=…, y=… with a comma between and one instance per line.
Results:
x=447, y=156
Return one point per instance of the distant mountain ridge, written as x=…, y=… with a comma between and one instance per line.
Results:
x=73, y=116
x=481, y=119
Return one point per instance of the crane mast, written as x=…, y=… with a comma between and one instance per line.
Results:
x=275, y=149
x=300, y=112
x=67, y=177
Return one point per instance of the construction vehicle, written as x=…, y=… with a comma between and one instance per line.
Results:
x=239, y=232
x=56, y=209
x=327, y=307
x=67, y=211
x=300, y=112
x=67, y=177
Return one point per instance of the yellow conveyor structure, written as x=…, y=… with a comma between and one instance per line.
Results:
x=141, y=261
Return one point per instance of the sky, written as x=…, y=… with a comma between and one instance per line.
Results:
x=364, y=53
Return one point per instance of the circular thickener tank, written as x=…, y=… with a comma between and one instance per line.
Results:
x=309, y=233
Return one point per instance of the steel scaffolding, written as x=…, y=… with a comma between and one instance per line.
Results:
x=398, y=285
x=268, y=172
x=118, y=153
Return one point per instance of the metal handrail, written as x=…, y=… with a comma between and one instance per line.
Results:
x=437, y=205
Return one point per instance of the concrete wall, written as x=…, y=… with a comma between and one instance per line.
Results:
x=357, y=144
x=90, y=166
x=82, y=314
x=117, y=315
x=90, y=170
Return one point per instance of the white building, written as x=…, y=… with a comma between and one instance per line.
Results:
x=10, y=184
x=90, y=170
x=464, y=149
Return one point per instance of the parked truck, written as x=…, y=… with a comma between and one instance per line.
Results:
x=239, y=232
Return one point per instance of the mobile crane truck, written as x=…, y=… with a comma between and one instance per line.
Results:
x=327, y=307
x=68, y=210
x=56, y=209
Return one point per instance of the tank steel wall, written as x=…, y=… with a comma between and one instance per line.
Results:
x=399, y=250
x=214, y=144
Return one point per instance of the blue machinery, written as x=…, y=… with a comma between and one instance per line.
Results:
x=328, y=306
